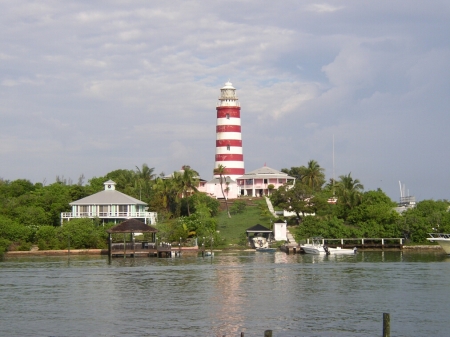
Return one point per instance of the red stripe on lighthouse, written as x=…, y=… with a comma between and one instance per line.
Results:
x=231, y=142
x=228, y=128
x=231, y=112
x=234, y=171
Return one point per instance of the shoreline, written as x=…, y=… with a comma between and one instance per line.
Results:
x=184, y=249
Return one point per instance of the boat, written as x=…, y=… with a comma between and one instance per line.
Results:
x=265, y=250
x=442, y=239
x=261, y=244
x=317, y=248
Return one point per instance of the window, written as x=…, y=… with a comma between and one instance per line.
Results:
x=265, y=181
x=228, y=147
x=103, y=209
x=228, y=116
x=83, y=208
x=123, y=208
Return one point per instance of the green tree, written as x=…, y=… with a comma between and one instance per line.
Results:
x=144, y=181
x=349, y=193
x=189, y=183
x=221, y=170
x=313, y=175
x=295, y=172
x=300, y=198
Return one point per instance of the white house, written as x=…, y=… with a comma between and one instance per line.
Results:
x=110, y=206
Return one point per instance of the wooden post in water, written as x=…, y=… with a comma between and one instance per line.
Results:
x=109, y=246
x=386, y=325
x=124, y=246
x=242, y=334
x=268, y=333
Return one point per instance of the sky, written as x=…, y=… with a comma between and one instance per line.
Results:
x=88, y=87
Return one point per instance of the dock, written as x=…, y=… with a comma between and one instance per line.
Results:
x=145, y=249
x=359, y=243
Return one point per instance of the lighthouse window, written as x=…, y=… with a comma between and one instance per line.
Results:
x=228, y=147
x=228, y=116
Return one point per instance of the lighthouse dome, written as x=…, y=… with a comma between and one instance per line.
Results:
x=228, y=85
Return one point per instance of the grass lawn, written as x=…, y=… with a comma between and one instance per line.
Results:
x=233, y=229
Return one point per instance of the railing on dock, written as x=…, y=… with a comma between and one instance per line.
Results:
x=359, y=243
x=134, y=249
x=130, y=246
x=364, y=242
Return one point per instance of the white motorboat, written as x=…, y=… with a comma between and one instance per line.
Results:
x=442, y=239
x=317, y=248
x=340, y=250
x=261, y=244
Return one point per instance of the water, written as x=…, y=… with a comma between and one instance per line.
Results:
x=293, y=295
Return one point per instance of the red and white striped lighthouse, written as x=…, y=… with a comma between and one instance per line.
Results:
x=228, y=133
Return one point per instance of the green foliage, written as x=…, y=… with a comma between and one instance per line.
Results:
x=47, y=238
x=4, y=244
x=200, y=203
x=30, y=214
x=429, y=216
x=82, y=234
x=312, y=226
x=14, y=231
x=196, y=225
x=238, y=206
x=301, y=199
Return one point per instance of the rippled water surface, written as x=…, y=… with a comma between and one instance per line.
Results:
x=293, y=295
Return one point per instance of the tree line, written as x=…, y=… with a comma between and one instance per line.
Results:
x=342, y=209
x=30, y=213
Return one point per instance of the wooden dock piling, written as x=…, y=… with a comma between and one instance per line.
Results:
x=386, y=325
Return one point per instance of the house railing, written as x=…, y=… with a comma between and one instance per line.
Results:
x=111, y=215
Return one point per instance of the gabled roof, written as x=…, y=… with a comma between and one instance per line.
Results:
x=258, y=229
x=132, y=226
x=265, y=172
x=109, y=197
x=216, y=180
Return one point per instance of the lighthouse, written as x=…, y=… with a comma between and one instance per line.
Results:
x=228, y=133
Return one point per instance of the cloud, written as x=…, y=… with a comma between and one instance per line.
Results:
x=323, y=8
x=89, y=88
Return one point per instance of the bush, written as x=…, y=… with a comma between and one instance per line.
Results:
x=4, y=244
x=82, y=233
x=237, y=207
x=24, y=246
x=13, y=231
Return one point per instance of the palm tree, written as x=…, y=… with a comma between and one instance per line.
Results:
x=313, y=175
x=167, y=191
x=144, y=176
x=349, y=191
x=221, y=170
x=189, y=183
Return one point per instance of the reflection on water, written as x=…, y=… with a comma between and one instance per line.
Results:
x=294, y=295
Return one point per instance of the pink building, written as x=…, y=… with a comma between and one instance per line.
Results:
x=256, y=183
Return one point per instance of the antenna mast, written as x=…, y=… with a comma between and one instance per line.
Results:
x=333, y=165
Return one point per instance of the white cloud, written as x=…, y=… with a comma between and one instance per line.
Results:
x=90, y=87
x=323, y=8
